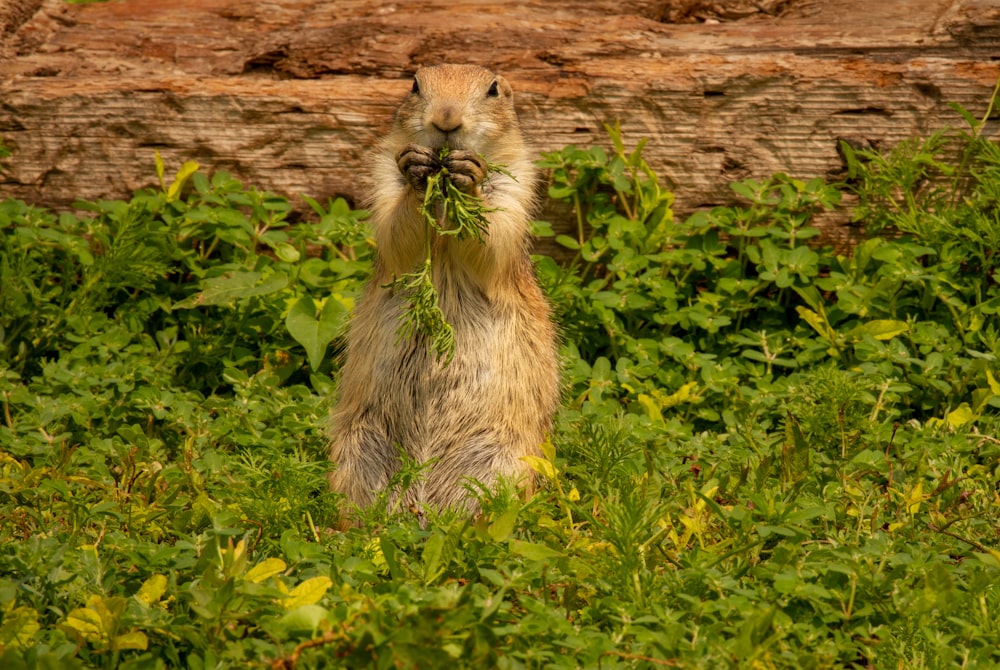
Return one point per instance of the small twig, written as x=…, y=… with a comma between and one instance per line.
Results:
x=888, y=458
x=289, y=662
x=971, y=543
x=6, y=410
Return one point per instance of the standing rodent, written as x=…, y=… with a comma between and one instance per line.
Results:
x=477, y=415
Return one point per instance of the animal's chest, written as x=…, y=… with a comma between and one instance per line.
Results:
x=414, y=376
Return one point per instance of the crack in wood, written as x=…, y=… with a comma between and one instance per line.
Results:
x=863, y=111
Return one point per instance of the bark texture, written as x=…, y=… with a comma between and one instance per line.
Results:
x=290, y=95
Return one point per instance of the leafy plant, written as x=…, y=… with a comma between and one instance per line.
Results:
x=770, y=455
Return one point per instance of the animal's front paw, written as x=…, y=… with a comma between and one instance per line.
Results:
x=466, y=169
x=417, y=163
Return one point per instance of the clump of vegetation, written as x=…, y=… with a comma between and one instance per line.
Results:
x=450, y=211
x=771, y=455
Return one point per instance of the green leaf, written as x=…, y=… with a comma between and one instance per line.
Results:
x=880, y=329
x=744, y=189
x=229, y=288
x=305, y=619
x=287, y=253
x=386, y=554
x=314, y=332
x=561, y=192
x=503, y=526
x=433, y=557
x=533, y=551
x=568, y=242
x=808, y=513
x=541, y=229
x=973, y=122
x=811, y=295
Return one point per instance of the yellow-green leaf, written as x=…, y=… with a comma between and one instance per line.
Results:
x=960, y=416
x=132, y=640
x=913, y=497
x=87, y=623
x=377, y=556
x=683, y=394
x=651, y=407
x=19, y=627
x=818, y=323
x=541, y=466
x=152, y=590
x=159, y=168
x=980, y=397
x=267, y=568
x=655, y=403
x=188, y=169
x=992, y=381
x=880, y=329
x=549, y=449
x=308, y=592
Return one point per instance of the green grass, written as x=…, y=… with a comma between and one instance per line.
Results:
x=769, y=455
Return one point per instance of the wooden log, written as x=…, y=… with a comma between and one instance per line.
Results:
x=289, y=95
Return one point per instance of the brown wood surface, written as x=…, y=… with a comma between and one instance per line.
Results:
x=290, y=94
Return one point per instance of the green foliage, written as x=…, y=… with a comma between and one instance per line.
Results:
x=724, y=309
x=213, y=278
x=770, y=455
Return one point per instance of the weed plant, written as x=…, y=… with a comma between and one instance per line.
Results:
x=447, y=211
x=770, y=455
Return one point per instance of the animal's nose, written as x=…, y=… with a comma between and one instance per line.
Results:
x=447, y=118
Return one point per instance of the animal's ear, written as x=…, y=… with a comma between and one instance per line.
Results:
x=500, y=88
x=416, y=87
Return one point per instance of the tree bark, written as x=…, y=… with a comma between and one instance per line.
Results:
x=290, y=95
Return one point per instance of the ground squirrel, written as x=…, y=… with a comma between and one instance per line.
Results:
x=477, y=415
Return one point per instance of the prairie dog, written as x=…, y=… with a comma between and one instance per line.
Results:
x=476, y=416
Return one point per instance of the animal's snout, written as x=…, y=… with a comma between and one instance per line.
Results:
x=447, y=118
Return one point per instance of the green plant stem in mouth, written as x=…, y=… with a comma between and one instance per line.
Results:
x=446, y=210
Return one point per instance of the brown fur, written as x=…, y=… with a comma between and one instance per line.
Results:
x=477, y=416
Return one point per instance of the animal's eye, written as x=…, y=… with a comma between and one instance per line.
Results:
x=493, y=92
x=416, y=86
